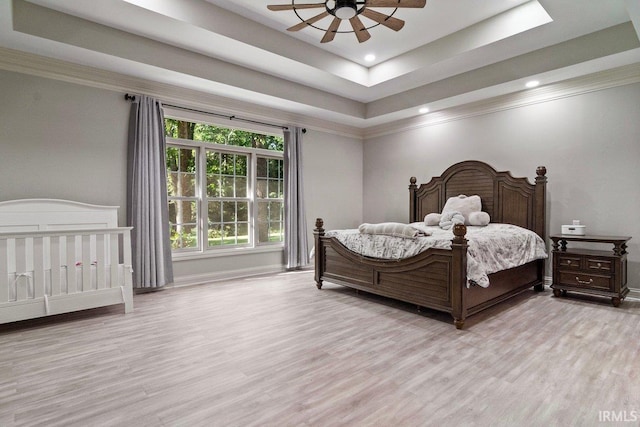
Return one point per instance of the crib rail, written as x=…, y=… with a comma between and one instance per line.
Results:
x=55, y=271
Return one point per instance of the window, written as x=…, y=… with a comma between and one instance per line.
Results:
x=225, y=187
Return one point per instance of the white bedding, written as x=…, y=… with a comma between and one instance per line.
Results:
x=492, y=248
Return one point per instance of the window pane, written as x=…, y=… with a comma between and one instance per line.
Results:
x=229, y=234
x=182, y=211
x=243, y=233
x=263, y=222
x=241, y=165
x=272, y=189
x=183, y=224
x=228, y=211
x=275, y=232
x=243, y=211
x=274, y=171
x=262, y=167
x=213, y=186
x=214, y=212
x=227, y=164
x=261, y=189
x=275, y=211
x=213, y=162
x=227, y=185
x=181, y=168
x=214, y=235
x=241, y=187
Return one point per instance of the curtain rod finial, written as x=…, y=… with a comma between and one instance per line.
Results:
x=128, y=97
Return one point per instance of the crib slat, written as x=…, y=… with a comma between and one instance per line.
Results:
x=38, y=267
x=86, y=262
x=4, y=271
x=113, y=260
x=71, y=265
x=56, y=263
x=100, y=261
x=127, y=272
x=22, y=280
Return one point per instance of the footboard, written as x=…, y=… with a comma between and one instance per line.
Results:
x=434, y=279
x=52, y=272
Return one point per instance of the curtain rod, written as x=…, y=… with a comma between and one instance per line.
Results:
x=224, y=116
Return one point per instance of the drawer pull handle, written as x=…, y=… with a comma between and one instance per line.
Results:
x=569, y=262
x=599, y=264
x=584, y=282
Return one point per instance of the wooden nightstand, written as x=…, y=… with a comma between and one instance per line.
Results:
x=590, y=271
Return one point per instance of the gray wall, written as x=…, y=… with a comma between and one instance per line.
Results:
x=62, y=141
x=68, y=141
x=589, y=143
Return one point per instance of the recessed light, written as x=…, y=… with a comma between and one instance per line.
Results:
x=423, y=110
x=370, y=57
x=532, y=83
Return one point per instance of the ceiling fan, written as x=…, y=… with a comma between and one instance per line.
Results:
x=349, y=10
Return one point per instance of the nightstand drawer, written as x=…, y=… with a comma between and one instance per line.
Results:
x=596, y=264
x=568, y=261
x=585, y=280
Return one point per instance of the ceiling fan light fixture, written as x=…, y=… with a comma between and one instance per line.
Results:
x=348, y=10
x=345, y=9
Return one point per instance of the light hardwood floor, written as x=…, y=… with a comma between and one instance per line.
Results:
x=275, y=351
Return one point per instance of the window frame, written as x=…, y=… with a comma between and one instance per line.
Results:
x=203, y=250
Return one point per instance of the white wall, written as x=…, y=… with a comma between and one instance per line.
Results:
x=589, y=143
x=68, y=141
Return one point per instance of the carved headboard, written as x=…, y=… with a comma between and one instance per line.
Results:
x=507, y=199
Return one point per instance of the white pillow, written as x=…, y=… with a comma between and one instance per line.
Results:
x=463, y=204
x=395, y=229
x=479, y=218
x=432, y=219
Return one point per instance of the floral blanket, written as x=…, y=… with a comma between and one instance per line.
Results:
x=491, y=248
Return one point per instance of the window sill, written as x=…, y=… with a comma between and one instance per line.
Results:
x=217, y=253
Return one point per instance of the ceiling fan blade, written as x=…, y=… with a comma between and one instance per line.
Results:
x=305, y=24
x=358, y=28
x=331, y=31
x=395, y=3
x=277, y=7
x=388, y=21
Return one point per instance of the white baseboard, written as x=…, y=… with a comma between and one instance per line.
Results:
x=634, y=294
x=199, y=279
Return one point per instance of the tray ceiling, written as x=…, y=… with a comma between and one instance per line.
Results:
x=449, y=53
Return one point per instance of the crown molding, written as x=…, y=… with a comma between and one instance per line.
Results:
x=41, y=66
x=28, y=63
x=620, y=76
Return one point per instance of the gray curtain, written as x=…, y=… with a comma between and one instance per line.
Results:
x=295, y=223
x=147, y=209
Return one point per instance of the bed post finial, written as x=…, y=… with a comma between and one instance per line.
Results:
x=412, y=199
x=540, y=202
x=459, y=230
x=318, y=235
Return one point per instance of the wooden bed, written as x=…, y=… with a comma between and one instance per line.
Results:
x=436, y=278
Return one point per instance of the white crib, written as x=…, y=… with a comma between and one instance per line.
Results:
x=58, y=256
